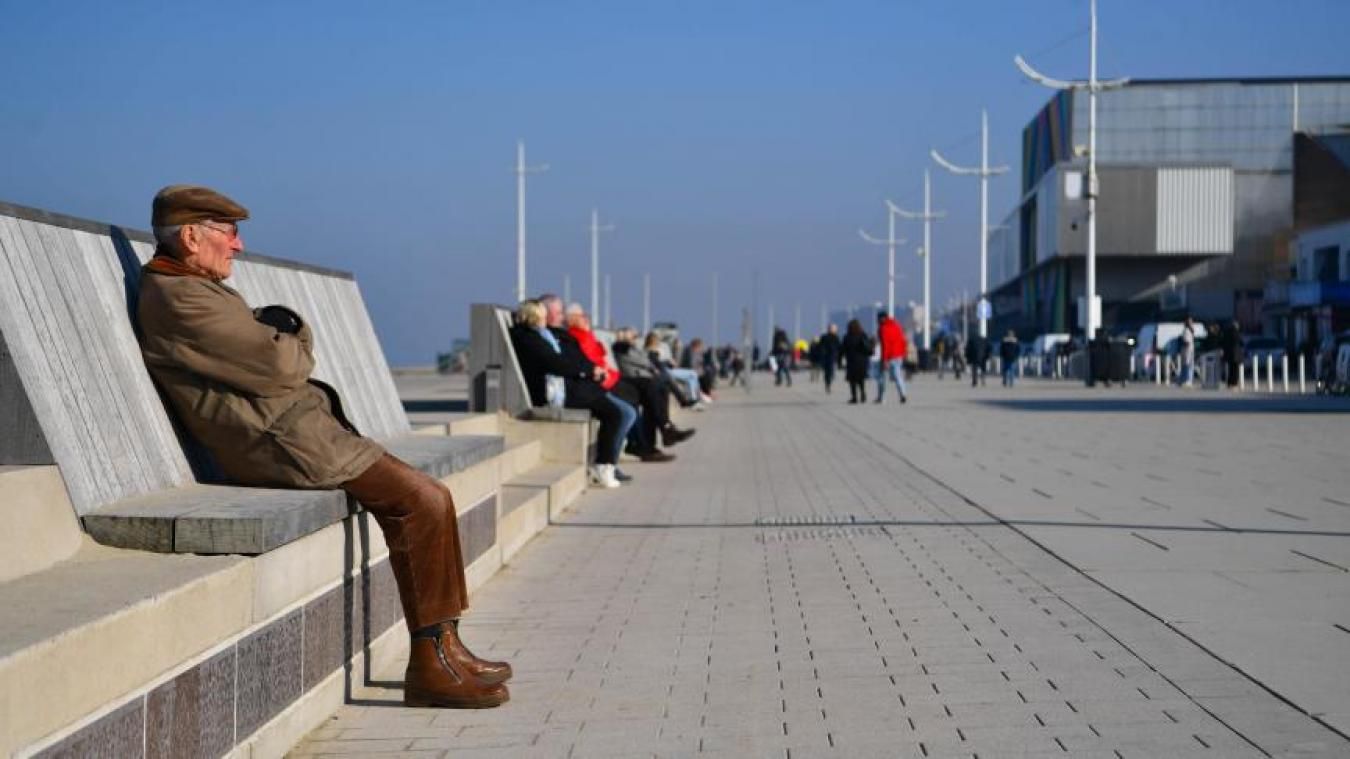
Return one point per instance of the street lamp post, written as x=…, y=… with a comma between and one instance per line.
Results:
x=1093, y=86
x=521, y=170
x=596, y=229
x=607, y=304
x=646, y=304
x=984, y=171
x=769, y=330
x=714, y=310
x=927, y=215
x=890, y=242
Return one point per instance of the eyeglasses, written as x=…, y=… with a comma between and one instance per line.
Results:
x=231, y=231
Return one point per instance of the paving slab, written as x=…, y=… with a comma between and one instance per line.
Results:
x=817, y=579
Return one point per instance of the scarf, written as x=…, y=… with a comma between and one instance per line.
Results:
x=163, y=263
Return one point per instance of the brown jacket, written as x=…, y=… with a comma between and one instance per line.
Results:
x=242, y=388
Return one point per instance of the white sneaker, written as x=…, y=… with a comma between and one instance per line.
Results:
x=602, y=476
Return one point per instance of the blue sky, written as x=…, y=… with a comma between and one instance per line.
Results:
x=725, y=136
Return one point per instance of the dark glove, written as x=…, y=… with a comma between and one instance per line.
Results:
x=280, y=318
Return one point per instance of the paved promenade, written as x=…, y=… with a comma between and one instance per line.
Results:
x=977, y=574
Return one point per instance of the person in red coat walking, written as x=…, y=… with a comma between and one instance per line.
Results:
x=893, y=346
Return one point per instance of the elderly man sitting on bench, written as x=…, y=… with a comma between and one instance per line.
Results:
x=238, y=379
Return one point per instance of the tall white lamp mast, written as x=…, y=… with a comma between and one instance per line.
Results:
x=608, y=313
x=890, y=242
x=984, y=171
x=714, y=310
x=521, y=171
x=646, y=304
x=1093, y=86
x=596, y=229
x=927, y=216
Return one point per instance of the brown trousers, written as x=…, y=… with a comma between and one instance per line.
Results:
x=417, y=515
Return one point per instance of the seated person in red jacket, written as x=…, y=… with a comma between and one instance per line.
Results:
x=579, y=328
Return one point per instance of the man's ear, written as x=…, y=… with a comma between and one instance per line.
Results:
x=189, y=239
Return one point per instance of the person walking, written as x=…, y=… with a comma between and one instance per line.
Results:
x=827, y=354
x=1231, y=345
x=894, y=349
x=856, y=353
x=782, y=354
x=1008, y=353
x=977, y=355
x=1187, y=353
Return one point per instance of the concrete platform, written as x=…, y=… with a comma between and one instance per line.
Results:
x=959, y=576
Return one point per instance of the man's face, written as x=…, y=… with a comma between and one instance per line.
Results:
x=555, y=313
x=212, y=246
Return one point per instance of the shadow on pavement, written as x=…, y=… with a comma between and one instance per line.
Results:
x=1197, y=404
x=946, y=523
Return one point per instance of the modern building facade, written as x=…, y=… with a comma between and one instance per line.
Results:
x=1195, y=210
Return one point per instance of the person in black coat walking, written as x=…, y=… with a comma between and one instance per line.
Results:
x=977, y=355
x=1008, y=352
x=856, y=350
x=1231, y=345
x=782, y=354
x=828, y=349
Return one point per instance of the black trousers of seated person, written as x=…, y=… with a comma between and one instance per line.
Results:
x=596, y=401
x=652, y=398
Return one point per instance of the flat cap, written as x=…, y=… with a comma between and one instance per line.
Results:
x=186, y=204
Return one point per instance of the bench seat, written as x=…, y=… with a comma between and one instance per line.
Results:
x=556, y=414
x=220, y=519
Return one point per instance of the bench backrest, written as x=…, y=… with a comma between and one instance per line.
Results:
x=495, y=380
x=73, y=389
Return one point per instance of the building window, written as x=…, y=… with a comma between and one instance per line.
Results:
x=1325, y=263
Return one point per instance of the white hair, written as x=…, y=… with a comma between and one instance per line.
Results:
x=167, y=237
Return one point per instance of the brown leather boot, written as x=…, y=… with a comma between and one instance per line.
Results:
x=435, y=679
x=488, y=671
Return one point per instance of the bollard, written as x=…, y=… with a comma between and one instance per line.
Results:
x=1256, y=373
x=1132, y=367
x=1302, y=387
x=1242, y=376
x=1270, y=372
x=1157, y=369
x=1284, y=371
